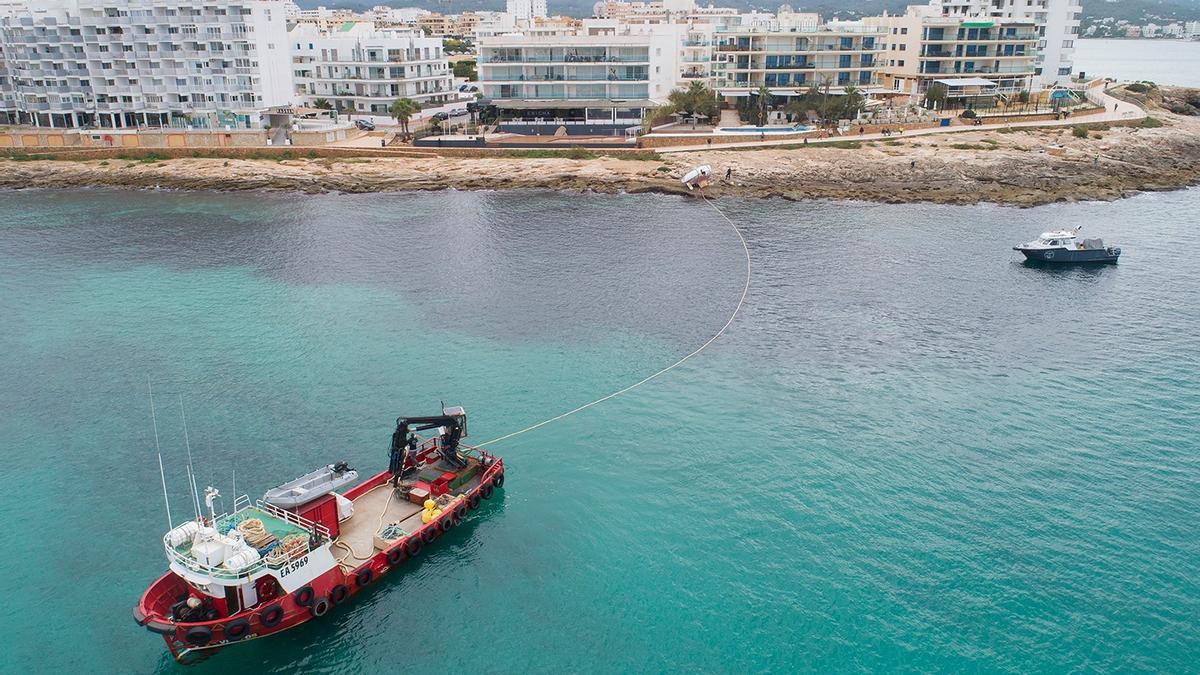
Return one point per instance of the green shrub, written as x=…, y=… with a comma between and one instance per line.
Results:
x=968, y=114
x=1079, y=131
x=1149, y=122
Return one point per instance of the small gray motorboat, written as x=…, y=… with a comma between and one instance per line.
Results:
x=311, y=485
x=1065, y=247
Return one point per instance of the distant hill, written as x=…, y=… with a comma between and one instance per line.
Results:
x=1136, y=11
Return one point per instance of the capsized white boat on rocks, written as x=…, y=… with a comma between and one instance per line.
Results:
x=697, y=177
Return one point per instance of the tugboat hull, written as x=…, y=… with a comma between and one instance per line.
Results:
x=1070, y=257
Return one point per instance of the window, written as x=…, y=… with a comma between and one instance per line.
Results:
x=903, y=47
x=904, y=31
x=900, y=63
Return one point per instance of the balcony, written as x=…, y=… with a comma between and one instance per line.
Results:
x=566, y=59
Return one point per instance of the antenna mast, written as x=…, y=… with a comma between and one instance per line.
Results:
x=162, y=476
x=191, y=469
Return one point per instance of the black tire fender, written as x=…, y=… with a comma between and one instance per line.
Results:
x=473, y=501
x=304, y=596
x=364, y=577
x=395, y=555
x=486, y=491
x=320, y=607
x=338, y=594
x=198, y=635
x=271, y=616
x=498, y=481
x=428, y=534
x=412, y=547
x=237, y=629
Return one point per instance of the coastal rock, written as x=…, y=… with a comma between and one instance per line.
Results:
x=1004, y=167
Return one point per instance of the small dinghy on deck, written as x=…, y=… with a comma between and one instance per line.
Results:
x=311, y=485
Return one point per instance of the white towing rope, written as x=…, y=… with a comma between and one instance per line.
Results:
x=635, y=385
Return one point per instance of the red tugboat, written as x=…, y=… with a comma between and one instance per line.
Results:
x=304, y=548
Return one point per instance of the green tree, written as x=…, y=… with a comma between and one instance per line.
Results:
x=465, y=68
x=697, y=99
x=809, y=102
x=323, y=104
x=402, y=110
x=762, y=104
x=851, y=103
x=935, y=95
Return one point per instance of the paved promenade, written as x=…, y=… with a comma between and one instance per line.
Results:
x=1114, y=111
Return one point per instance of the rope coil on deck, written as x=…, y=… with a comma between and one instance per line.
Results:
x=635, y=385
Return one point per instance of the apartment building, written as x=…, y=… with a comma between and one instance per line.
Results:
x=361, y=68
x=1056, y=21
x=789, y=58
x=968, y=55
x=102, y=63
x=601, y=76
x=526, y=9
x=434, y=24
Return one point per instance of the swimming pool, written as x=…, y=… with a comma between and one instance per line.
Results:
x=799, y=128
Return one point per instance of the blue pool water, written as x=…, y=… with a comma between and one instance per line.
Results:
x=909, y=453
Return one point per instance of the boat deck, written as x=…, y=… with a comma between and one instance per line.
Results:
x=274, y=526
x=376, y=509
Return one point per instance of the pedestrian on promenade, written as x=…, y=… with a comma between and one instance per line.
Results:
x=382, y=143
x=728, y=172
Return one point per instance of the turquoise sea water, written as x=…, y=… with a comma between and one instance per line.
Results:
x=910, y=452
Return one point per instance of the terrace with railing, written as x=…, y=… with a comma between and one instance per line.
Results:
x=277, y=521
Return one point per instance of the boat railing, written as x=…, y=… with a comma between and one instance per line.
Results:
x=186, y=561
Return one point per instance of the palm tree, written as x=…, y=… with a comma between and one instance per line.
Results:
x=852, y=103
x=764, y=104
x=697, y=99
x=402, y=110
x=323, y=104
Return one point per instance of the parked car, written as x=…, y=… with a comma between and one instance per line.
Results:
x=365, y=125
x=440, y=116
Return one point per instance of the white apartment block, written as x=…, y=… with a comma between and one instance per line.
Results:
x=526, y=9
x=362, y=69
x=790, y=57
x=109, y=64
x=601, y=76
x=1057, y=24
x=968, y=54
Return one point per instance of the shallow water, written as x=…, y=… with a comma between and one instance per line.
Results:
x=910, y=451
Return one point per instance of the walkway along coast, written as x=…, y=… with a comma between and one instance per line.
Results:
x=1112, y=156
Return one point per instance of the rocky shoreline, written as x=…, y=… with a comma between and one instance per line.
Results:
x=1023, y=167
